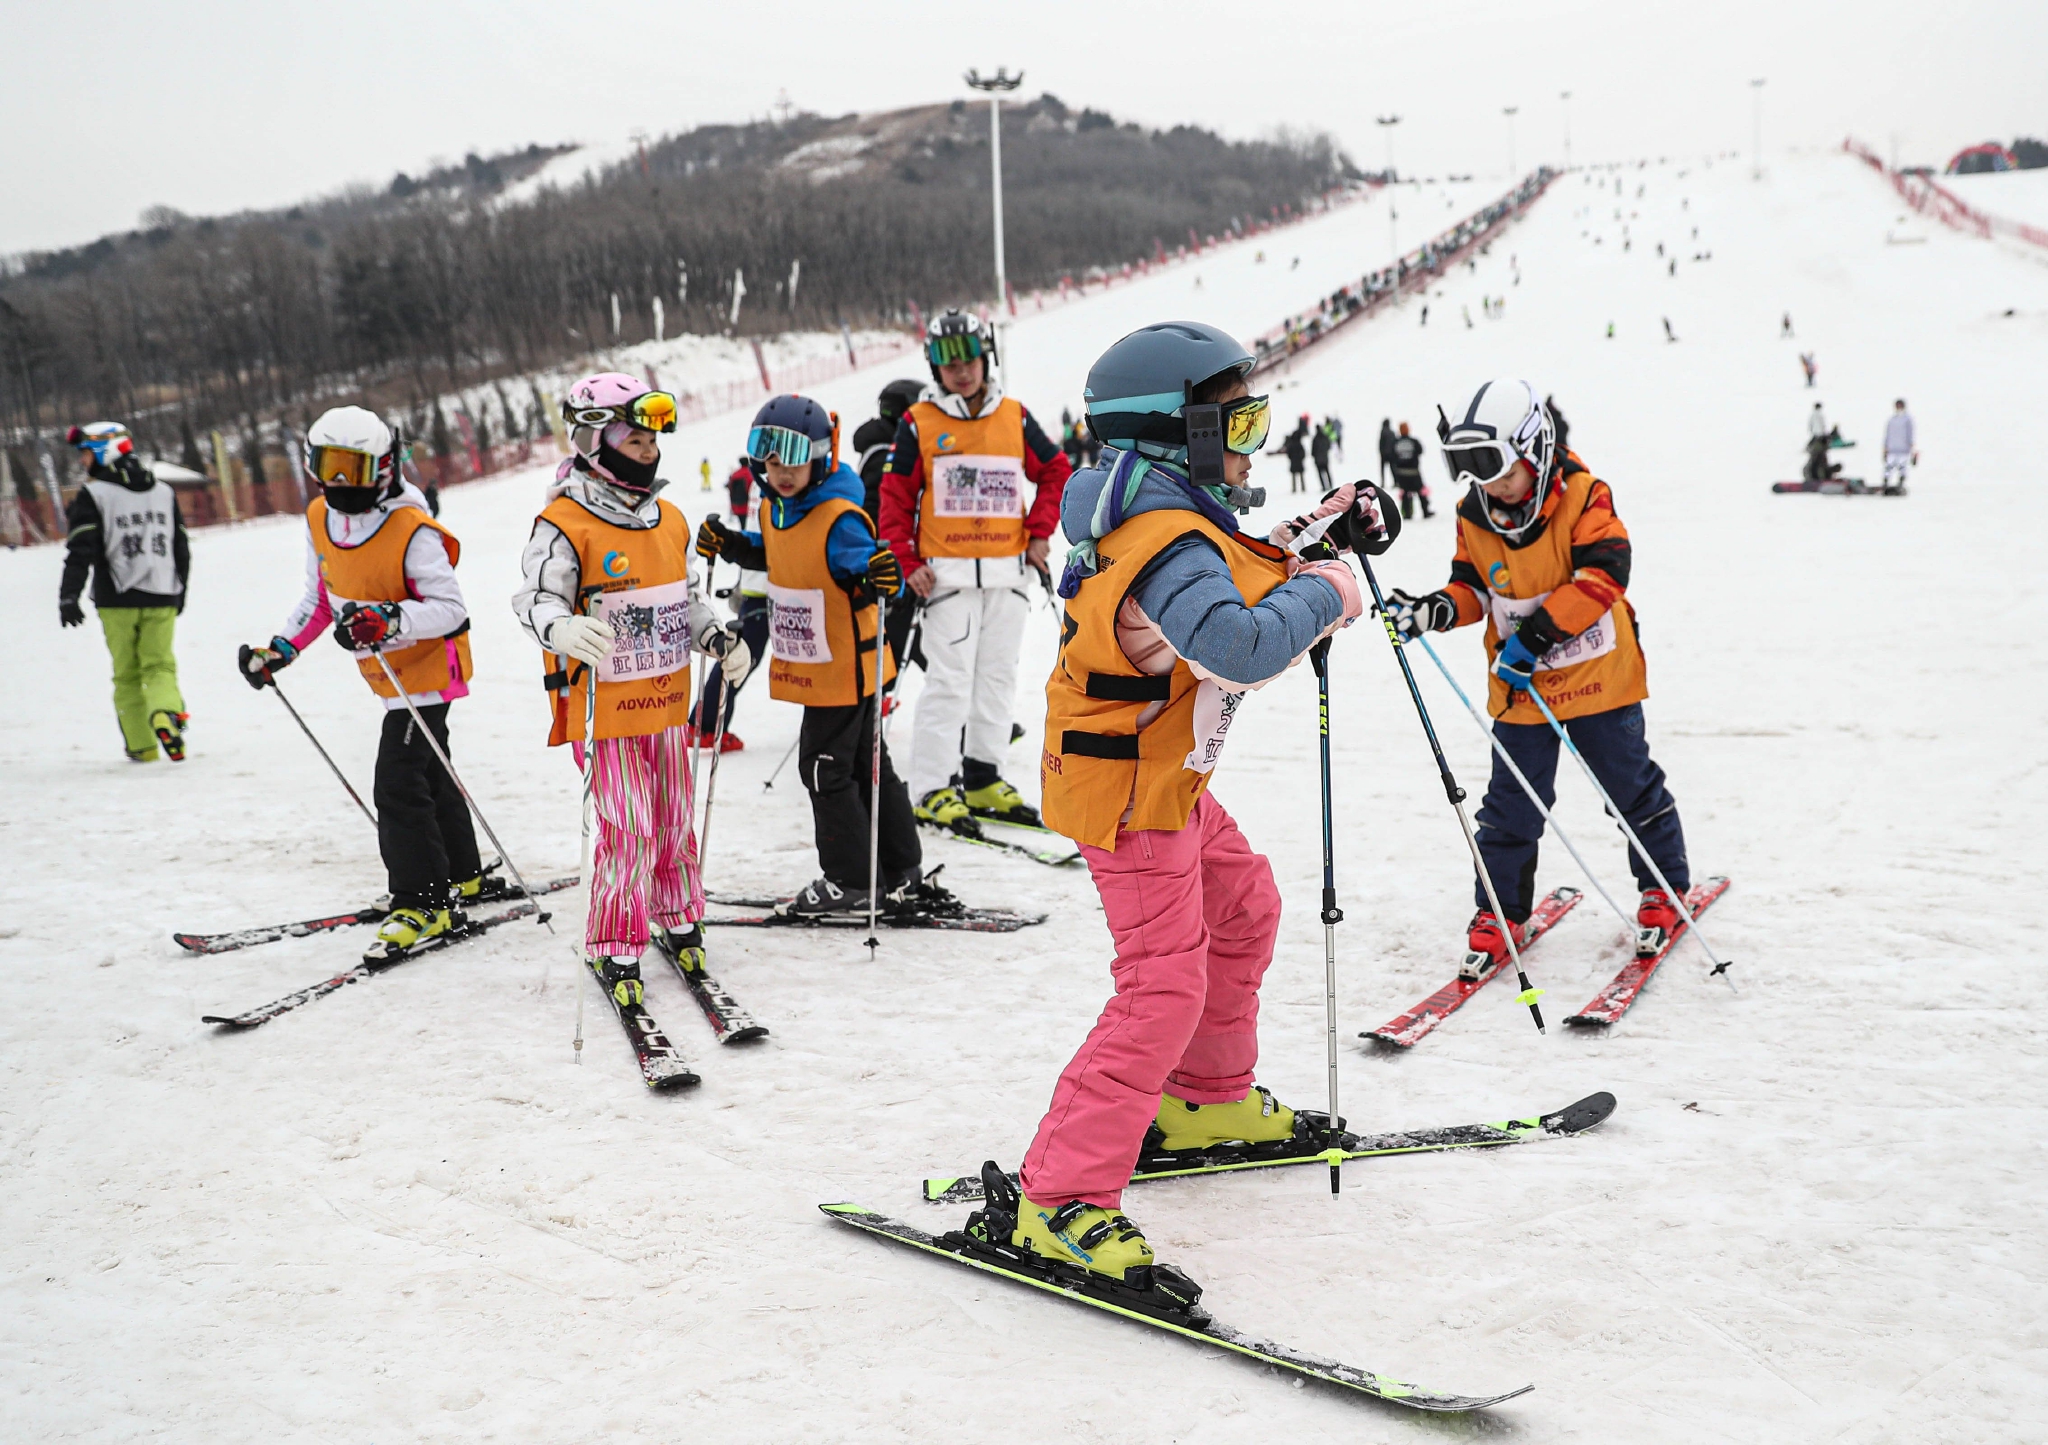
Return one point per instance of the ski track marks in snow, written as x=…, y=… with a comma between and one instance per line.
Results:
x=403, y=1213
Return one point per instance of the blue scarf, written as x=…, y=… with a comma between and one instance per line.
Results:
x=1112, y=508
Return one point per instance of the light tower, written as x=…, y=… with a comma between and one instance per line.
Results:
x=1566, y=97
x=995, y=87
x=1509, y=112
x=1756, y=129
x=1387, y=124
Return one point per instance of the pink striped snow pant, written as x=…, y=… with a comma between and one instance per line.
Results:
x=1193, y=915
x=646, y=854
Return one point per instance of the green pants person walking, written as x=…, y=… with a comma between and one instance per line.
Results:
x=124, y=530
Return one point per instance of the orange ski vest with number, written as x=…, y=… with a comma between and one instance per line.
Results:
x=374, y=571
x=1597, y=671
x=1117, y=737
x=973, y=503
x=636, y=579
x=821, y=647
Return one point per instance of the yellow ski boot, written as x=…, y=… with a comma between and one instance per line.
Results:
x=944, y=808
x=1101, y=1241
x=404, y=930
x=1001, y=803
x=1257, y=1118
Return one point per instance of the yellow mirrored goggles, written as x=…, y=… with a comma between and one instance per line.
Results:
x=342, y=466
x=1246, y=422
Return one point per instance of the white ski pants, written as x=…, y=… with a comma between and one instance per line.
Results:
x=971, y=640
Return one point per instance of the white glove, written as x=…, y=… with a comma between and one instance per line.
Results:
x=587, y=639
x=736, y=664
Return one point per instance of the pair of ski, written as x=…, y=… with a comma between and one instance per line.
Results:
x=369, y=913
x=662, y=1065
x=959, y=919
x=1050, y=857
x=1405, y=1030
x=1173, y=1302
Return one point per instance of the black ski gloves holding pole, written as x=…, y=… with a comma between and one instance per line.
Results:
x=1431, y=612
x=258, y=663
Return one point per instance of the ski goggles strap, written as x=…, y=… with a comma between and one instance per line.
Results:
x=1246, y=423
x=1479, y=462
x=783, y=444
x=955, y=346
x=342, y=466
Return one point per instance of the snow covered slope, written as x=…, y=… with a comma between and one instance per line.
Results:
x=402, y=1213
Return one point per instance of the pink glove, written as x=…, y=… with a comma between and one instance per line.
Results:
x=1337, y=503
x=1337, y=572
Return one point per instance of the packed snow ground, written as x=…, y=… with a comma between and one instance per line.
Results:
x=404, y=1214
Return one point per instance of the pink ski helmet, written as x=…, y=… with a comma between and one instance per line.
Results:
x=599, y=411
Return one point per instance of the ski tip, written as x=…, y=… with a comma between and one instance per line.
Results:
x=936, y=1190
x=1579, y=1117
x=846, y=1209
x=1586, y=1021
x=1387, y=1040
x=745, y=1035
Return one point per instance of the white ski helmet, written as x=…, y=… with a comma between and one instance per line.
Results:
x=1506, y=422
x=352, y=447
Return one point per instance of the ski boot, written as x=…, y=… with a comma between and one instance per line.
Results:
x=822, y=897
x=1001, y=803
x=620, y=976
x=405, y=929
x=945, y=808
x=169, y=728
x=685, y=945
x=1656, y=920
x=728, y=742
x=141, y=755
x=920, y=896
x=1098, y=1249
x=487, y=887
x=1257, y=1118
x=1486, y=946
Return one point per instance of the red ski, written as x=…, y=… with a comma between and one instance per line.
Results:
x=1403, y=1032
x=1613, y=1001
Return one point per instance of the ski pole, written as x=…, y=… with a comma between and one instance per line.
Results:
x=338, y=777
x=769, y=786
x=589, y=861
x=1527, y=787
x=1677, y=899
x=1456, y=795
x=456, y=778
x=725, y=702
x=875, y=778
x=1319, y=659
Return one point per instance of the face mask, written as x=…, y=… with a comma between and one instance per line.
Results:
x=634, y=476
x=353, y=501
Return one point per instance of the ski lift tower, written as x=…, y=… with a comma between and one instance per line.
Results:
x=995, y=87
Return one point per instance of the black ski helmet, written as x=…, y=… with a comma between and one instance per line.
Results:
x=898, y=397
x=778, y=425
x=954, y=330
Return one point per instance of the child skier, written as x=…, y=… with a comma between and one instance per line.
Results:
x=953, y=509
x=1543, y=559
x=607, y=592
x=825, y=569
x=124, y=528
x=1172, y=615
x=383, y=572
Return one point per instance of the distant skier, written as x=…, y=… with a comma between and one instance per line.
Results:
x=1407, y=463
x=1295, y=448
x=1899, y=449
x=1386, y=447
x=1819, y=435
x=125, y=530
x=704, y=475
x=1807, y=365
x=1668, y=333
x=1319, y=452
x=1784, y=325
x=1543, y=559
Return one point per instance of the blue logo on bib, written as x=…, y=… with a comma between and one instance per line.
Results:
x=615, y=564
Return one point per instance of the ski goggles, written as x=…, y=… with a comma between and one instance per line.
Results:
x=649, y=411
x=1479, y=462
x=342, y=466
x=955, y=346
x=1246, y=422
x=783, y=444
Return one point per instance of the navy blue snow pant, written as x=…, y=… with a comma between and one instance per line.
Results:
x=1614, y=746
x=753, y=621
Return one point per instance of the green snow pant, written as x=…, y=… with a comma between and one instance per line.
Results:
x=145, y=671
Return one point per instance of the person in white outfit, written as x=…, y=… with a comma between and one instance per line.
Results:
x=1899, y=450
x=972, y=546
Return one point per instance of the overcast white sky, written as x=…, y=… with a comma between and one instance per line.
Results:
x=218, y=105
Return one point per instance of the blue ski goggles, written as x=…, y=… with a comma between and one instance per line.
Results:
x=784, y=445
x=952, y=347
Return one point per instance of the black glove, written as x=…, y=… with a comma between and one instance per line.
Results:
x=258, y=663
x=711, y=539
x=885, y=573
x=1371, y=525
x=1413, y=616
x=69, y=613
x=371, y=626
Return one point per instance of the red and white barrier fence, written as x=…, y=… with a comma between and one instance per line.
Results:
x=1930, y=198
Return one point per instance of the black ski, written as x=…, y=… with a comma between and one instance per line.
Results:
x=463, y=931
x=732, y=1024
x=661, y=1065
x=1171, y=1303
x=1308, y=1147
x=965, y=920
x=370, y=913
x=1051, y=857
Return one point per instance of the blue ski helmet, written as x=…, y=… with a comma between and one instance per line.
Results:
x=793, y=430
x=1138, y=388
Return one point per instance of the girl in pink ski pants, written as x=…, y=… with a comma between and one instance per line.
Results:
x=1193, y=914
x=645, y=861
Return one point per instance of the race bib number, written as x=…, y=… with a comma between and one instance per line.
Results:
x=650, y=631
x=796, y=628
x=976, y=486
x=1595, y=641
x=1214, y=708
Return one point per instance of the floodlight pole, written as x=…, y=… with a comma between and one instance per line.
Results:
x=1387, y=124
x=1756, y=129
x=1566, y=97
x=1509, y=112
x=995, y=87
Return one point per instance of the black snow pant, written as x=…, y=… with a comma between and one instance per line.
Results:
x=835, y=755
x=1615, y=748
x=1294, y=476
x=903, y=615
x=753, y=620
x=1323, y=474
x=423, y=827
x=1412, y=491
